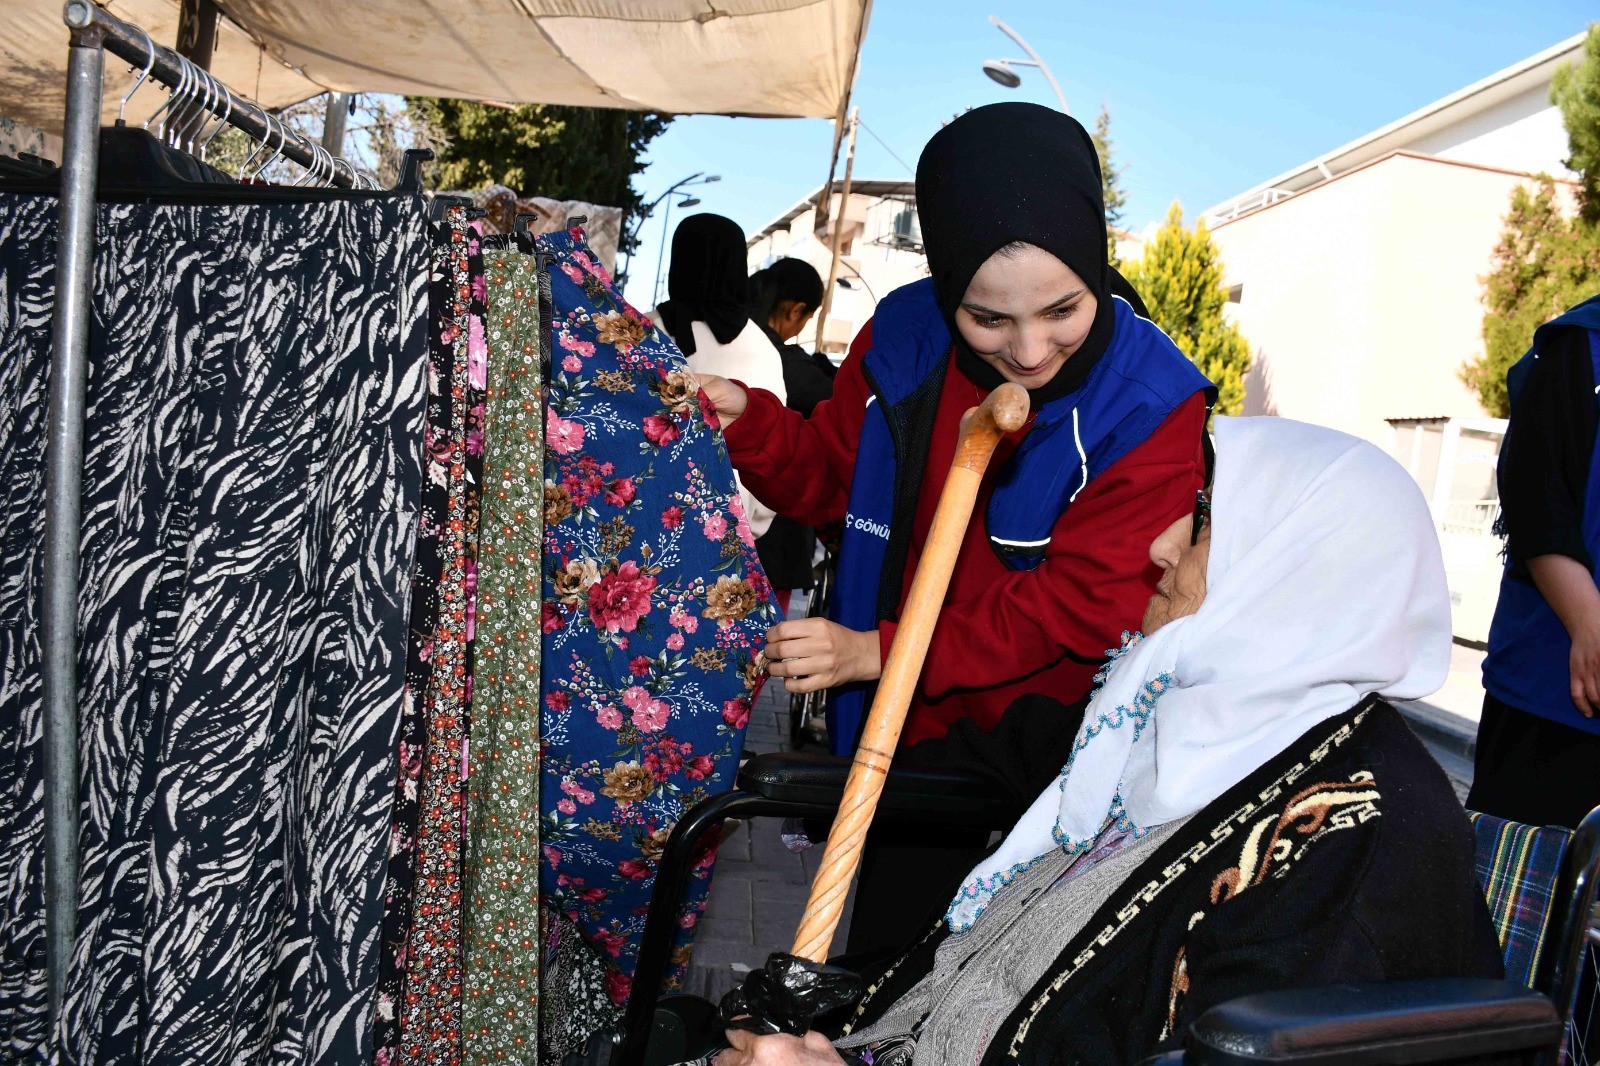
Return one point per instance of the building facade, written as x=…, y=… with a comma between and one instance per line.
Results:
x=1357, y=279
x=880, y=250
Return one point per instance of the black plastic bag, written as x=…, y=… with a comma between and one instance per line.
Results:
x=788, y=994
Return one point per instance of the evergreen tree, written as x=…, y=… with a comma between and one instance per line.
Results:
x=1544, y=262
x=1110, y=180
x=1576, y=91
x=1180, y=278
x=567, y=153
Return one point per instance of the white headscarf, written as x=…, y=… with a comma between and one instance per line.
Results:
x=1325, y=585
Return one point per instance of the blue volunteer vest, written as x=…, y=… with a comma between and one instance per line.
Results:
x=1142, y=378
x=1527, y=666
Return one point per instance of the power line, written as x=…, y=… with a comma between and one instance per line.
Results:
x=909, y=168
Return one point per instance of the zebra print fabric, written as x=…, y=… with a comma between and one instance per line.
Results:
x=252, y=481
x=27, y=299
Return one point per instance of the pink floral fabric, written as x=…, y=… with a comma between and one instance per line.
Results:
x=655, y=610
x=430, y=1010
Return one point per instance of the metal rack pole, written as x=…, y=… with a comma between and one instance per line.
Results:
x=126, y=41
x=93, y=32
x=64, y=488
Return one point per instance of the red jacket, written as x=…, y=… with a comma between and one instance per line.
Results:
x=1003, y=633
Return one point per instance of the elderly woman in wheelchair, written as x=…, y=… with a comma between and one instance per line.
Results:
x=1243, y=810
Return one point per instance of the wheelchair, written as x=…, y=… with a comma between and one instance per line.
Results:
x=1540, y=884
x=806, y=708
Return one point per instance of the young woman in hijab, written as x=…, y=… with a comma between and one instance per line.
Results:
x=707, y=315
x=1053, y=567
x=1243, y=810
x=783, y=298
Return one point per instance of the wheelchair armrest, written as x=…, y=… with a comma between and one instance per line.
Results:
x=1430, y=1020
x=814, y=783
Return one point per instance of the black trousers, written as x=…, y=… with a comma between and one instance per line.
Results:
x=911, y=871
x=1532, y=770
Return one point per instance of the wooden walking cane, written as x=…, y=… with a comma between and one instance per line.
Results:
x=1005, y=410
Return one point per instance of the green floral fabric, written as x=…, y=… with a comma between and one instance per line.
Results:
x=503, y=945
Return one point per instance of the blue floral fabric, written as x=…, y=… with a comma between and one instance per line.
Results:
x=655, y=612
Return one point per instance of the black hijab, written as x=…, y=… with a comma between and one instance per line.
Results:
x=1016, y=172
x=706, y=282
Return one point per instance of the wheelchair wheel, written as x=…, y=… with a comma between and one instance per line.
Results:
x=806, y=720
x=1583, y=1031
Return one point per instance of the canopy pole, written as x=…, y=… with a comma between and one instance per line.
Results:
x=63, y=509
x=335, y=122
x=197, y=31
x=838, y=228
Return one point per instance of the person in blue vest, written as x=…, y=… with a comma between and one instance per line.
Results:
x=1538, y=756
x=1053, y=568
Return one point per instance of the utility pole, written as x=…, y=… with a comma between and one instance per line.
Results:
x=838, y=228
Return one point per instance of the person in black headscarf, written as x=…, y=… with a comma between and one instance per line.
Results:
x=1053, y=568
x=783, y=298
x=707, y=314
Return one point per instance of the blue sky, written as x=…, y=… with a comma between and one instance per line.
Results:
x=1206, y=99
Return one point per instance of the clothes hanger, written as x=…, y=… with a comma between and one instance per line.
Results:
x=149, y=65
x=201, y=112
x=273, y=123
x=255, y=149
x=226, y=114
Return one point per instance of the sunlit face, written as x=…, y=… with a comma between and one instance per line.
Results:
x=1025, y=314
x=1182, y=588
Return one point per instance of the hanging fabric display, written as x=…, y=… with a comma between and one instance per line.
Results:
x=27, y=298
x=430, y=1027
x=501, y=1009
x=250, y=499
x=448, y=252
x=655, y=612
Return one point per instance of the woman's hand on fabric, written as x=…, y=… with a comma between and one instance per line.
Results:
x=729, y=399
x=779, y=1049
x=812, y=654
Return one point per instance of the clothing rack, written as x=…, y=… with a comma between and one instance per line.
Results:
x=93, y=32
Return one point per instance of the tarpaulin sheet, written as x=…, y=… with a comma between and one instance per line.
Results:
x=780, y=58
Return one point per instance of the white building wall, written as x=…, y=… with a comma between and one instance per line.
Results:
x=1521, y=133
x=1361, y=297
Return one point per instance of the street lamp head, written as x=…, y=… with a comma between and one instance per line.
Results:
x=713, y=177
x=1000, y=71
x=844, y=283
x=692, y=201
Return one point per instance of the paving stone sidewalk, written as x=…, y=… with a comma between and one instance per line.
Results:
x=759, y=887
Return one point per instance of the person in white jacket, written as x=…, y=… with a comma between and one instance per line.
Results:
x=707, y=315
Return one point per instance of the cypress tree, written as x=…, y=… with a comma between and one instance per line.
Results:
x=1111, y=190
x=1180, y=278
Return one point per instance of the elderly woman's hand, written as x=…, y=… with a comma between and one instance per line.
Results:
x=778, y=1050
x=729, y=399
x=812, y=654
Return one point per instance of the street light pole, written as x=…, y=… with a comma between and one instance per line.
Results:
x=1033, y=60
x=661, y=256
x=692, y=179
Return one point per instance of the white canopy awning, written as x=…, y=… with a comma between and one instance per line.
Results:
x=777, y=58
